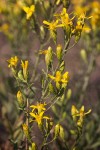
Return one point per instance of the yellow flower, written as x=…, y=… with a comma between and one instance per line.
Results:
x=40, y=107
x=80, y=26
x=61, y=80
x=39, y=117
x=63, y=17
x=13, y=61
x=59, y=77
x=95, y=12
x=29, y=11
x=86, y=29
x=79, y=113
x=65, y=77
x=25, y=69
x=51, y=25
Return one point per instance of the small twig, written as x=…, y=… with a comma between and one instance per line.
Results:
x=27, y=120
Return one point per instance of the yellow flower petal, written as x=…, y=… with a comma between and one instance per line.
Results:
x=26, y=9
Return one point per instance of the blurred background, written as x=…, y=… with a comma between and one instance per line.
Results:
x=20, y=37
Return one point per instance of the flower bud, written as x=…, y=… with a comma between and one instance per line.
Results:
x=83, y=55
x=34, y=147
x=57, y=130
x=74, y=111
x=59, y=52
x=25, y=69
x=69, y=93
x=48, y=57
x=51, y=88
x=20, y=99
x=42, y=32
x=58, y=2
x=61, y=133
x=25, y=130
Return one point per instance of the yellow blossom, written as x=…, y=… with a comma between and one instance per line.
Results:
x=95, y=12
x=39, y=107
x=80, y=26
x=61, y=80
x=79, y=113
x=39, y=117
x=29, y=11
x=59, y=77
x=25, y=68
x=51, y=25
x=63, y=17
x=13, y=61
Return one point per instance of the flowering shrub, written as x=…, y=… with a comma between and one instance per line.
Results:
x=41, y=107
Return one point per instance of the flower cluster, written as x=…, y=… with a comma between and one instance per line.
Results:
x=20, y=74
x=92, y=9
x=61, y=80
x=29, y=11
x=78, y=115
x=37, y=113
x=13, y=61
x=64, y=21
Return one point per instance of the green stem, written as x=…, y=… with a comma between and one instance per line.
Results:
x=52, y=103
x=27, y=120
